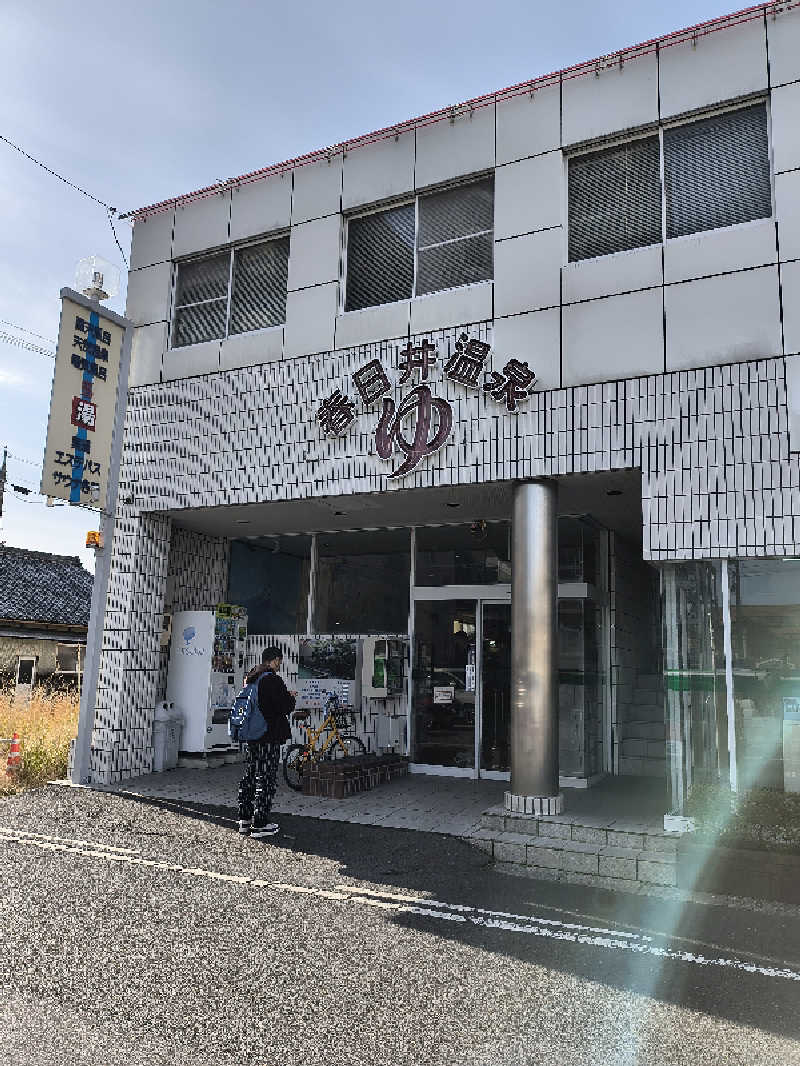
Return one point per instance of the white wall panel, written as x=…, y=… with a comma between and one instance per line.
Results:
x=528, y=124
x=528, y=195
x=790, y=286
x=378, y=171
x=533, y=338
x=149, y=294
x=783, y=35
x=202, y=224
x=609, y=275
x=252, y=349
x=315, y=252
x=720, y=250
x=261, y=206
x=787, y=210
x=618, y=98
x=716, y=67
x=527, y=272
x=454, y=307
x=617, y=337
x=147, y=352
x=317, y=189
x=310, y=319
x=785, y=110
x=190, y=361
x=448, y=149
x=152, y=239
x=724, y=319
x=373, y=324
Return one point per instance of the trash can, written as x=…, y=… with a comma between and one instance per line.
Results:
x=161, y=724
x=174, y=731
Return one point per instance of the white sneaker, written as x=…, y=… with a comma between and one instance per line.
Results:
x=244, y=828
x=268, y=830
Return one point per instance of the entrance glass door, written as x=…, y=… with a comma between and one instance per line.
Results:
x=495, y=689
x=445, y=683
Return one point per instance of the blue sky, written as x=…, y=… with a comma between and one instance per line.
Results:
x=150, y=99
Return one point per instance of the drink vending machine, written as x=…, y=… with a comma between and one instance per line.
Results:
x=206, y=670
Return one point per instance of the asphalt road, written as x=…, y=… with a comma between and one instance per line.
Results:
x=147, y=933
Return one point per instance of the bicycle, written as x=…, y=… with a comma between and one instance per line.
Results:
x=337, y=745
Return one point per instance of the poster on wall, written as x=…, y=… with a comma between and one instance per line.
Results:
x=326, y=666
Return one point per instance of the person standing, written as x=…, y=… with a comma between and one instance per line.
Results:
x=257, y=789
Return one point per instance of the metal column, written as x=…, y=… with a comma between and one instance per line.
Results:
x=534, y=651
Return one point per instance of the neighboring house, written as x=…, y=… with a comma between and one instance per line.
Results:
x=44, y=613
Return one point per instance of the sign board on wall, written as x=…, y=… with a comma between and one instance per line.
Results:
x=82, y=405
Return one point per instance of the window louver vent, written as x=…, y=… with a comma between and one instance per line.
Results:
x=380, y=258
x=615, y=199
x=259, y=286
x=456, y=241
x=716, y=171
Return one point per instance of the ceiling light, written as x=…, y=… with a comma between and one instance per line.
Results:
x=243, y=522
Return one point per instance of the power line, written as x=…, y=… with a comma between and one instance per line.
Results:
x=22, y=343
x=60, y=177
x=19, y=459
x=22, y=329
x=110, y=211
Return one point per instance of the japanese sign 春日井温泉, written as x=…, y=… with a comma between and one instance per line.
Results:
x=82, y=406
x=421, y=423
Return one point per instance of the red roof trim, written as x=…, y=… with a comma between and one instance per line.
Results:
x=702, y=29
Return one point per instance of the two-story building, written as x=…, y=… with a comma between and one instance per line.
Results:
x=515, y=381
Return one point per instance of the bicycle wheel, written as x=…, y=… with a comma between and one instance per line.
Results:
x=294, y=762
x=353, y=746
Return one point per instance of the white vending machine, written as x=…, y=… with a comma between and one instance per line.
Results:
x=206, y=670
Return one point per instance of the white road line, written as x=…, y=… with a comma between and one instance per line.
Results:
x=549, y=928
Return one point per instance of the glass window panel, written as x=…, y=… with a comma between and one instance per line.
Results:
x=203, y=279
x=717, y=171
x=380, y=258
x=201, y=322
x=475, y=554
x=259, y=286
x=362, y=582
x=446, y=266
x=765, y=637
x=578, y=550
x=615, y=199
x=459, y=212
x=269, y=576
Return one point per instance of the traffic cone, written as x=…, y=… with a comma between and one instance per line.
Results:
x=14, y=754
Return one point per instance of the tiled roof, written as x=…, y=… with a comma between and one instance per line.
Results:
x=39, y=587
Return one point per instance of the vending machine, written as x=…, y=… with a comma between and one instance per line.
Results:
x=206, y=670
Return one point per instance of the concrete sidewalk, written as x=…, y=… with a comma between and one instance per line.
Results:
x=428, y=803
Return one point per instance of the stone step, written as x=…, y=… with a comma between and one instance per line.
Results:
x=581, y=829
x=631, y=864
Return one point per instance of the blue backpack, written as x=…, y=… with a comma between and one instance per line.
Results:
x=246, y=723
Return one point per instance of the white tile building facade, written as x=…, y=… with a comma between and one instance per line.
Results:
x=678, y=358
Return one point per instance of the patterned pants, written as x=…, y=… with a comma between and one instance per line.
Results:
x=257, y=790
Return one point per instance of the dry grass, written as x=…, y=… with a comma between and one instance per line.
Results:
x=46, y=726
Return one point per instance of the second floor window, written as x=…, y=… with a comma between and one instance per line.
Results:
x=231, y=292
x=716, y=173
x=441, y=241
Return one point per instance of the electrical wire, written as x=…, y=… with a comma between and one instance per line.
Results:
x=30, y=462
x=22, y=329
x=60, y=177
x=110, y=211
x=9, y=338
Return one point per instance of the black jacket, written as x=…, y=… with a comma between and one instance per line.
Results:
x=276, y=705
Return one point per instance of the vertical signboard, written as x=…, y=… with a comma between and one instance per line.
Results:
x=80, y=428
